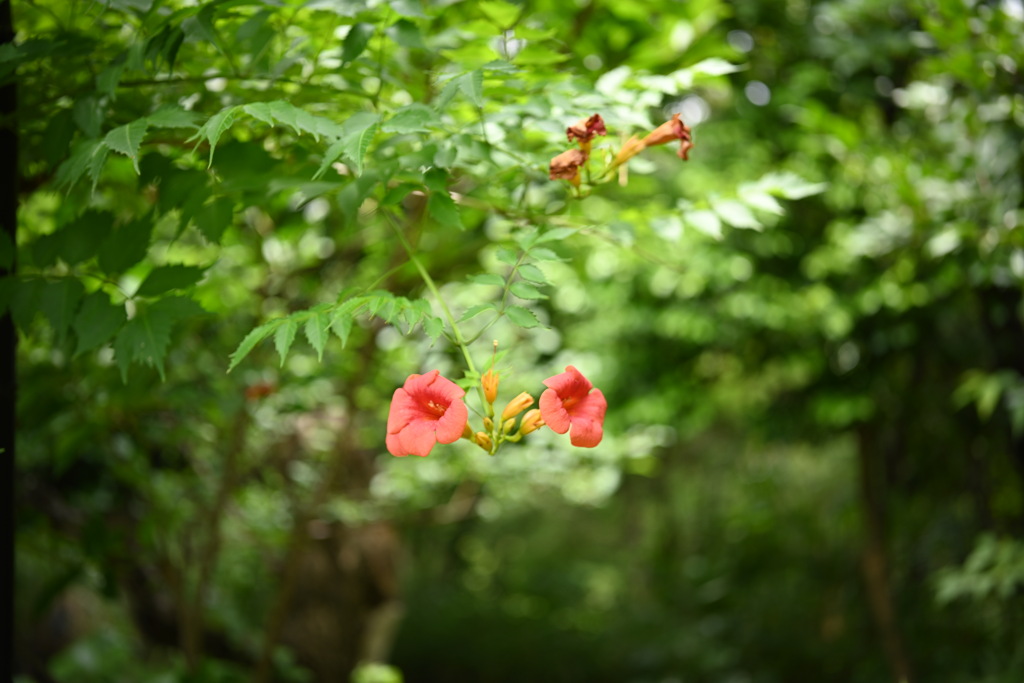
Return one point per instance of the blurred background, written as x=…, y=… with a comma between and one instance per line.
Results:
x=810, y=336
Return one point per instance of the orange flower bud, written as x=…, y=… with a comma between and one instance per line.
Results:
x=532, y=421
x=517, y=405
x=490, y=384
x=484, y=441
x=673, y=129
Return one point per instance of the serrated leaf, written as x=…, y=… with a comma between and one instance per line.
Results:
x=472, y=86
x=474, y=311
x=521, y=316
x=299, y=119
x=355, y=42
x=356, y=135
x=448, y=91
x=214, y=218
x=171, y=117
x=96, y=322
x=317, y=332
x=127, y=139
x=442, y=208
x=146, y=337
x=532, y=273
x=412, y=119
x=249, y=342
x=359, y=131
x=487, y=279
x=58, y=301
x=88, y=155
x=80, y=239
x=260, y=111
x=525, y=290
x=341, y=325
x=215, y=127
x=284, y=336
x=434, y=327
x=506, y=255
x=165, y=278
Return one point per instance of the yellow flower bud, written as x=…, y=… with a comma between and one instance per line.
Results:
x=509, y=424
x=488, y=424
x=490, y=384
x=517, y=405
x=484, y=441
x=532, y=421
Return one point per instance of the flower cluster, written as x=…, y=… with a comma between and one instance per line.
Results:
x=567, y=165
x=429, y=409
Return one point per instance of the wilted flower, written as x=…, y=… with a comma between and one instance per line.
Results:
x=428, y=409
x=566, y=166
x=517, y=405
x=569, y=402
x=586, y=129
x=673, y=129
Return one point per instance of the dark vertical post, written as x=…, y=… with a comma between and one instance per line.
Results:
x=8, y=342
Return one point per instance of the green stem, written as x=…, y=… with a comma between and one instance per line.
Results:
x=429, y=282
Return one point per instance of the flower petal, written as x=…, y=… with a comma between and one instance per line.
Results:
x=552, y=410
x=418, y=438
x=403, y=410
x=569, y=384
x=591, y=407
x=586, y=432
x=395, y=446
x=445, y=389
x=451, y=424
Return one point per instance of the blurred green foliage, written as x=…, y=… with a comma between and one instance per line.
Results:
x=810, y=335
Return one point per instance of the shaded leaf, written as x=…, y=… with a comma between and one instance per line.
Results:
x=284, y=336
x=97, y=321
x=316, y=330
x=165, y=278
x=127, y=139
x=356, y=41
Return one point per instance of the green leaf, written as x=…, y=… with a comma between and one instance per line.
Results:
x=536, y=54
x=260, y=111
x=125, y=246
x=524, y=290
x=165, y=278
x=127, y=139
x=472, y=86
x=506, y=255
x=407, y=8
x=487, y=279
x=58, y=301
x=415, y=118
x=556, y=235
x=503, y=14
x=171, y=117
x=299, y=119
x=88, y=155
x=532, y=273
x=341, y=325
x=284, y=336
x=433, y=326
x=249, y=342
x=407, y=34
x=544, y=254
x=214, y=218
x=317, y=332
x=80, y=239
x=96, y=322
x=443, y=209
x=736, y=214
x=215, y=127
x=474, y=311
x=146, y=337
x=521, y=316
x=356, y=41
x=357, y=133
